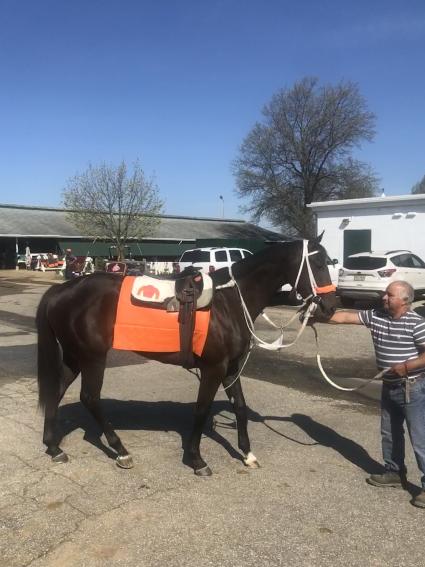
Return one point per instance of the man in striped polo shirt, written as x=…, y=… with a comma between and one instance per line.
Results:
x=398, y=335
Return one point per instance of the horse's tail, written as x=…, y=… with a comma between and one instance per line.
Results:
x=49, y=356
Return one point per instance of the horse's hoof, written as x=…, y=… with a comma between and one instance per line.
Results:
x=251, y=461
x=125, y=461
x=205, y=471
x=60, y=458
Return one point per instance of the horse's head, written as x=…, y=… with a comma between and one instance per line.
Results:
x=313, y=279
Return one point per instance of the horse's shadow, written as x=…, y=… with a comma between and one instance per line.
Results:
x=327, y=437
x=141, y=415
x=178, y=417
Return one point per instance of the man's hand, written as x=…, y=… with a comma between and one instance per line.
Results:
x=412, y=364
x=400, y=369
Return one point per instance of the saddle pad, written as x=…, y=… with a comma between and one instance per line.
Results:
x=157, y=290
x=148, y=329
x=154, y=290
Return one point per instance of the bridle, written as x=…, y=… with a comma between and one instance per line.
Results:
x=309, y=306
x=307, y=309
x=316, y=291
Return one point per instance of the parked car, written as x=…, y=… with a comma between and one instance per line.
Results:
x=210, y=259
x=366, y=275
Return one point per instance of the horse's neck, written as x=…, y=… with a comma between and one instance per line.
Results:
x=257, y=288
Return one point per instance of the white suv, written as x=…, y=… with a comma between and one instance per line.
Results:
x=210, y=259
x=366, y=275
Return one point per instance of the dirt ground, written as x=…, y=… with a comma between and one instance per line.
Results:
x=307, y=505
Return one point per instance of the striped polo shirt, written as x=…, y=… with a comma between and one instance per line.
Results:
x=395, y=340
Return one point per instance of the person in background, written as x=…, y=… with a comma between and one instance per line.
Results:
x=398, y=335
x=69, y=261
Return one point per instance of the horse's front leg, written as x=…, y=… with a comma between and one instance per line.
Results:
x=234, y=392
x=210, y=380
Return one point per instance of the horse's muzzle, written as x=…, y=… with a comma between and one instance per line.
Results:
x=326, y=306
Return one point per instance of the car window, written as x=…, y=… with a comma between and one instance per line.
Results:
x=365, y=263
x=246, y=253
x=403, y=261
x=397, y=260
x=193, y=256
x=235, y=255
x=417, y=262
x=221, y=256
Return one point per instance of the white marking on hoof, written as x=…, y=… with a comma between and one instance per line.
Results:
x=204, y=472
x=60, y=458
x=251, y=461
x=125, y=461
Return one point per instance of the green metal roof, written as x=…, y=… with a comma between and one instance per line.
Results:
x=141, y=249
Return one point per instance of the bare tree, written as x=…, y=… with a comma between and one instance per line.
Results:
x=108, y=202
x=301, y=152
x=419, y=187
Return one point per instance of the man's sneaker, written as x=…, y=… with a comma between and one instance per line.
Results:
x=391, y=479
x=419, y=500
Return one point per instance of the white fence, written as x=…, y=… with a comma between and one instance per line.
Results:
x=158, y=268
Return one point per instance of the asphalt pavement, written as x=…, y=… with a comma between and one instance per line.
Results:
x=307, y=505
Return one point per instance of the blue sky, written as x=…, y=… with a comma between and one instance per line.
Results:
x=178, y=84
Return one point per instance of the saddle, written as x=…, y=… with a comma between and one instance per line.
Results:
x=186, y=293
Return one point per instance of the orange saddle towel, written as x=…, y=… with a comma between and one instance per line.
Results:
x=152, y=330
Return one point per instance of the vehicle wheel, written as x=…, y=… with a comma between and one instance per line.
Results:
x=347, y=301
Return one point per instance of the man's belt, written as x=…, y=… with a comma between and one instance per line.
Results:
x=406, y=382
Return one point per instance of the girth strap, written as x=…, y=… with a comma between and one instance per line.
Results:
x=187, y=293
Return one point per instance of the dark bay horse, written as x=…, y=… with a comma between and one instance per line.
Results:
x=75, y=323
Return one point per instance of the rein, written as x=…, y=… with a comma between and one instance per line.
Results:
x=309, y=305
x=308, y=308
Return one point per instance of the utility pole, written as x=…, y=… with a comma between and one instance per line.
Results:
x=222, y=206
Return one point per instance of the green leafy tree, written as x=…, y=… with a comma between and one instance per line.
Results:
x=113, y=203
x=301, y=152
x=419, y=187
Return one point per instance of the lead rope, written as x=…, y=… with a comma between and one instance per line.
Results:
x=224, y=388
x=278, y=343
x=319, y=361
x=269, y=346
x=326, y=377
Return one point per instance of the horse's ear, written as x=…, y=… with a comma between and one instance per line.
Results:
x=318, y=239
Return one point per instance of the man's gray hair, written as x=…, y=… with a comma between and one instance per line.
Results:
x=406, y=290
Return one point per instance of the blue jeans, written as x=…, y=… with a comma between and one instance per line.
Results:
x=395, y=411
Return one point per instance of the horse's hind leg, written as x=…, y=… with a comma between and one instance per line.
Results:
x=236, y=397
x=52, y=435
x=210, y=380
x=91, y=386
